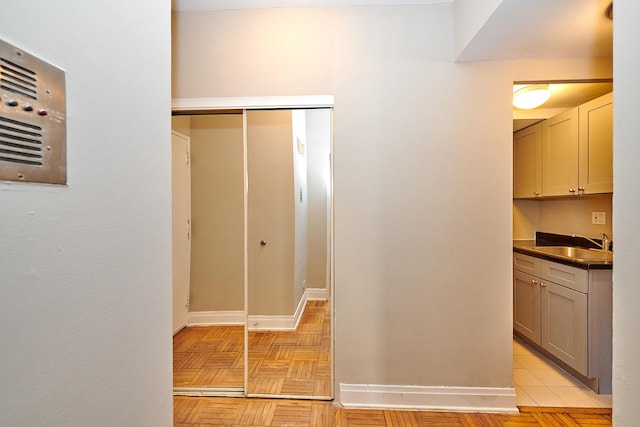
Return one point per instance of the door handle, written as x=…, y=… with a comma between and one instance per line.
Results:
x=263, y=243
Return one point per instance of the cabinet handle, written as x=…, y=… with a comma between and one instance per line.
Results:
x=536, y=193
x=581, y=189
x=571, y=190
x=543, y=285
x=534, y=282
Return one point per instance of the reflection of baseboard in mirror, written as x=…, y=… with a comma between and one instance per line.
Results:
x=293, y=363
x=287, y=323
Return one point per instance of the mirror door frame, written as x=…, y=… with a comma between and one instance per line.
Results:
x=185, y=106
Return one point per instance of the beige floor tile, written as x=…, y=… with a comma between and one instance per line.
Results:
x=544, y=396
x=604, y=400
x=519, y=348
x=517, y=365
x=531, y=361
x=554, y=377
x=576, y=396
x=524, y=377
x=522, y=398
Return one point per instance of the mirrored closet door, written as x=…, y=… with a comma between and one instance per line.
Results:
x=289, y=312
x=208, y=354
x=259, y=302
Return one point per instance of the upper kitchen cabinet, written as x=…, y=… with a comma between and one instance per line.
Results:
x=527, y=166
x=596, y=145
x=560, y=154
x=566, y=155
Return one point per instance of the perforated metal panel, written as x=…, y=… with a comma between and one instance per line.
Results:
x=32, y=118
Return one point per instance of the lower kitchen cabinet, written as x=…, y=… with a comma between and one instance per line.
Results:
x=564, y=324
x=566, y=312
x=526, y=305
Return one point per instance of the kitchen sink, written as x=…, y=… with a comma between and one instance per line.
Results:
x=579, y=254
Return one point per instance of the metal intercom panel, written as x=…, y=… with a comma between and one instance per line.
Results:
x=32, y=118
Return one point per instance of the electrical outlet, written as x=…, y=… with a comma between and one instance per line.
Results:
x=186, y=301
x=598, y=217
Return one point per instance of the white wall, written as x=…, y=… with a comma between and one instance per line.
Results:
x=626, y=211
x=422, y=175
x=85, y=294
x=410, y=182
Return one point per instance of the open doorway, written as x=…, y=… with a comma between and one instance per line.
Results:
x=562, y=178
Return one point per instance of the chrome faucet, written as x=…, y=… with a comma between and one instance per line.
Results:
x=605, y=242
x=604, y=245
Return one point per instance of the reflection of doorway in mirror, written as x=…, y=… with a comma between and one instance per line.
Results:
x=209, y=352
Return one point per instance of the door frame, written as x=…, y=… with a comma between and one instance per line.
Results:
x=184, y=299
x=219, y=104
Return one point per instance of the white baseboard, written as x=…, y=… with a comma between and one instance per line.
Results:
x=316, y=294
x=179, y=328
x=214, y=318
x=458, y=399
x=258, y=322
x=287, y=323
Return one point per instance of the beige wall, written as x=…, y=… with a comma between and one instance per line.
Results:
x=301, y=203
x=561, y=216
x=217, y=267
x=318, y=149
x=423, y=154
x=181, y=124
x=271, y=212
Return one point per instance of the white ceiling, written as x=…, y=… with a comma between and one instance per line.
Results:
x=529, y=29
x=185, y=5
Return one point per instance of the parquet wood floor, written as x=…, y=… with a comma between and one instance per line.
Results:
x=293, y=362
x=280, y=362
x=210, y=356
x=221, y=411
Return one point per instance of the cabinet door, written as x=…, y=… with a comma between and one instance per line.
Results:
x=527, y=166
x=564, y=325
x=526, y=305
x=596, y=145
x=560, y=154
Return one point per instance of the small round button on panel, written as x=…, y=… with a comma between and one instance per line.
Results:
x=27, y=107
x=12, y=103
x=42, y=112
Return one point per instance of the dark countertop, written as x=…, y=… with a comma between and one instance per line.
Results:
x=526, y=247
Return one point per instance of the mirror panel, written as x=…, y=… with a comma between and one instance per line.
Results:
x=209, y=353
x=289, y=320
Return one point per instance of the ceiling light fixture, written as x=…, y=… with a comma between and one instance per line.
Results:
x=531, y=96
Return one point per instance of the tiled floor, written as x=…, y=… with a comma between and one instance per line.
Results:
x=538, y=382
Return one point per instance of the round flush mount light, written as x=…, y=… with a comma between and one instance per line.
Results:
x=531, y=96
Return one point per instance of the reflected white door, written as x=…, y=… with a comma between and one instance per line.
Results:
x=181, y=227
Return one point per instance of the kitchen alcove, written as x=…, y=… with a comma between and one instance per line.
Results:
x=259, y=317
